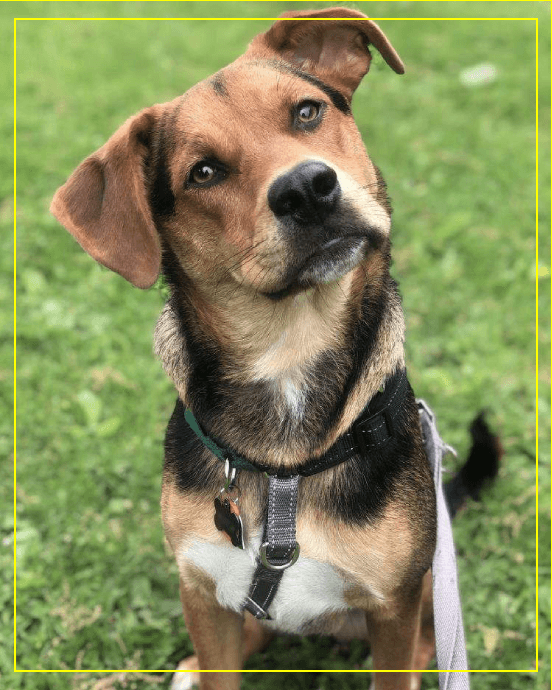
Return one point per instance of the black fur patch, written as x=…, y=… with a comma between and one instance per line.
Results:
x=364, y=338
x=203, y=354
x=161, y=197
x=479, y=470
x=366, y=484
x=218, y=82
x=183, y=453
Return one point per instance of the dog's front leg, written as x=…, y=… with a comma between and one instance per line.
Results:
x=394, y=638
x=216, y=634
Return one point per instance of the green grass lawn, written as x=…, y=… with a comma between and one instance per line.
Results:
x=95, y=587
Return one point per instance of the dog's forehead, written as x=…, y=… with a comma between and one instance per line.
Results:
x=254, y=75
x=249, y=90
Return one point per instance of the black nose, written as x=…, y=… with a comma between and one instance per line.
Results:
x=309, y=190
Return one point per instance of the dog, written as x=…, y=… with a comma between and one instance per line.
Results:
x=254, y=196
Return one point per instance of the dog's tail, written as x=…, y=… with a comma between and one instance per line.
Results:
x=480, y=468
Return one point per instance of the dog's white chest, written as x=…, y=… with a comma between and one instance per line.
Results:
x=308, y=590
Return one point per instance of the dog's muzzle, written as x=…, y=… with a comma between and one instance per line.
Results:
x=325, y=237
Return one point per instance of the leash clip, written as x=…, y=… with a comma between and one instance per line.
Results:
x=227, y=513
x=229, y=475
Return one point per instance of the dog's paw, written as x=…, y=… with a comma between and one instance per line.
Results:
x=186, y=676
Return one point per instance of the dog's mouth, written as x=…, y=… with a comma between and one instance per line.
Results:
x=327, y=263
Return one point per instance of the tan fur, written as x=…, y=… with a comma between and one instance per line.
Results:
x=373, y=557
x=186, y=517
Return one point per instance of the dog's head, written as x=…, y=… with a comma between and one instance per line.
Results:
x=256, y=176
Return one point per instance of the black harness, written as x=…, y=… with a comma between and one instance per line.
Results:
x=279, y=550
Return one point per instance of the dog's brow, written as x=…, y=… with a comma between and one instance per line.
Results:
x=218, y=82
x=336, y=97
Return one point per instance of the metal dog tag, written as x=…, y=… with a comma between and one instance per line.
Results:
x=228, y=520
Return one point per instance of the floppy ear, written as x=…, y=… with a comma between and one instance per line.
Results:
x=333, y=48
x=104, y=204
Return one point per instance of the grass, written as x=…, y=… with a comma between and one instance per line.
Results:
x=95, y=588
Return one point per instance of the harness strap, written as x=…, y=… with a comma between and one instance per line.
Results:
x=279, y=549
x=447, y=611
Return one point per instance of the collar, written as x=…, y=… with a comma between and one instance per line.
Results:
x=373, y=428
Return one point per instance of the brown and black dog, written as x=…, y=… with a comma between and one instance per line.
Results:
x=255, y=197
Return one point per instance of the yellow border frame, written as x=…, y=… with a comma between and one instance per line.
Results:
x=131, y=671
x=234, y=1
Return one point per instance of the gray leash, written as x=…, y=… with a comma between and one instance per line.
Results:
x=447, y=611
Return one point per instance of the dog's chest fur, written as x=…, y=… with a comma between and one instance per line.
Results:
x=341, y=567
x=308, y=591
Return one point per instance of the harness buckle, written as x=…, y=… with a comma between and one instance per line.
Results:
x=271, y=566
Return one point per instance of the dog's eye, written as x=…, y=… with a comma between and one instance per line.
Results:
x=207, y=173
x=202, y=173
x=307, y=115
x=308, y=111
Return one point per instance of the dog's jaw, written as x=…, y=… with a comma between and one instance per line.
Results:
x=333, y=260
x=327, y=264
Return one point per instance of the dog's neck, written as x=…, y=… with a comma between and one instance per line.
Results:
x=265, y=376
